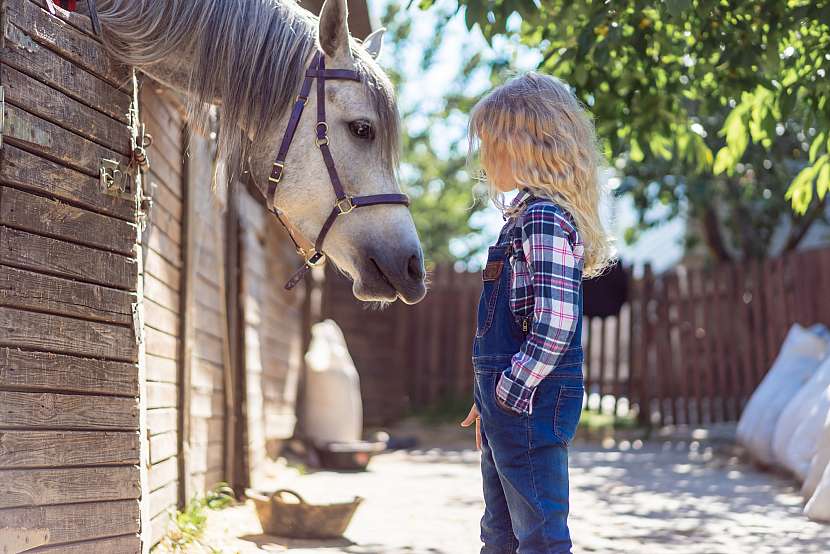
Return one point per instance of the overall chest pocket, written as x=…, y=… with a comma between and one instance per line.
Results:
x=492, y=282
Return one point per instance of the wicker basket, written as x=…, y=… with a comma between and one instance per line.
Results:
x=299, y=519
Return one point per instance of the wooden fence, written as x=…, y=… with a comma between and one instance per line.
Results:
x=689, y=346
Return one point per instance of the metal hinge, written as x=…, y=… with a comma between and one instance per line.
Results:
x=117, y=178
x=2, y=114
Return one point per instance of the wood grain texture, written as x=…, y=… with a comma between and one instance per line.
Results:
x=77, y=522
x=21, y=169
x=35, y=449
x=47, y=410
x=163, y=473
x=162, y=420
x=163, y=498
x=60, y=37
x=64, y=335
x=61, y=109
x=35, y=291
x=162, y=446
x=50, y=217
x=24, y=369
x=110, y=545
x=65, y=259
x=38, y=487
x=37, y=135
x=28, y=57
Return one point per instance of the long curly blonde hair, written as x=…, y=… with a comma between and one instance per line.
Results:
x=550, y=141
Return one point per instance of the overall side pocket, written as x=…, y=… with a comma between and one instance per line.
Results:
x=568, y=411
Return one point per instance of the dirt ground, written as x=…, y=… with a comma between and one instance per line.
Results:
x=687, y=493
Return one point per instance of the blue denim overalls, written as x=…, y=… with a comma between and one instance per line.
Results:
x=524, y=457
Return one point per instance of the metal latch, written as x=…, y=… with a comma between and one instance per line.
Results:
x=116, y=178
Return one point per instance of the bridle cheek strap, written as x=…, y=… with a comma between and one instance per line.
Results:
x=344, y=203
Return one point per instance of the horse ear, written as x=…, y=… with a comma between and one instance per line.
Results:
x=333, y=31
x=374, y=42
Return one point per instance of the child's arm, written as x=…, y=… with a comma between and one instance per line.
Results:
x=554, y=257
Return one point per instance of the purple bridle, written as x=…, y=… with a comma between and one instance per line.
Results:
x=344, y=203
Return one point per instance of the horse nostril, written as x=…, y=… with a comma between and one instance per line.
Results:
x=414, y=268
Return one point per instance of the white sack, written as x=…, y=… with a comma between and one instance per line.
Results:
x=332, y=406
x=800, y=356
x=818, y=508
x=799, y=428
x=819, y=461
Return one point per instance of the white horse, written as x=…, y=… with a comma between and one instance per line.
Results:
x=250, y=57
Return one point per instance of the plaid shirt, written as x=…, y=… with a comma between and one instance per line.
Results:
x=547, y=274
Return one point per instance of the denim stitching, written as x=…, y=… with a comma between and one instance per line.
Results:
x=491, y=309
x=533, y=478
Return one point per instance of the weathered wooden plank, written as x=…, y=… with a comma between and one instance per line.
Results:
x=160, y=219
x=64, y=335
x=42, y=137
x=80, y=21
x=158, y=527
x=162, y=473
x=54, y=106
x=34, y=449
x=47, y=255
x=77, y=522
x=160, y=244
x=24, y=369
x=161, y=318
x=162, y=446
x=21, y=169
x=57, y=35
x=161, y=344
x=38, y=487
x=125, y=543
x=163, y=270
x=162, y=369
x=45, y=216
x=161, y=395
x=41, y=63
x=35, y=291
x=47, y=410
x=162, y=420
x=163, y=498
x=160, y=293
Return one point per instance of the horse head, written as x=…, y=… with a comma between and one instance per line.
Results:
x=376, y=246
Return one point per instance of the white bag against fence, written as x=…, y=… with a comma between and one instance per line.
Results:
x=819, y=461
x=818, y=507
x=332, y=406
x=800, y=355
x=799, y=428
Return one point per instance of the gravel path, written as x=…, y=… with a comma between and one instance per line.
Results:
x=664, y=496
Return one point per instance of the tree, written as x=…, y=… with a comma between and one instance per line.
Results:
x=696, y=99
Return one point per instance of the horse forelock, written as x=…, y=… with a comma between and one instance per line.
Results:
x=265, y=46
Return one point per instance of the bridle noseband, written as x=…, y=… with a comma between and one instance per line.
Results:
x=344, y=203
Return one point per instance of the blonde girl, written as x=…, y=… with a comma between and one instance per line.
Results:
x=532, y=134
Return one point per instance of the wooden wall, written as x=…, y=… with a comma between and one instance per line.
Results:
x=273, y=336
x=69, y=387
x=163, y=300
x=207, y=334
x=116, y=383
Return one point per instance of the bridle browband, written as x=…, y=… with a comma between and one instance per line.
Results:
x=344, y=203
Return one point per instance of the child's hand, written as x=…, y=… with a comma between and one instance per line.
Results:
x=471, y=417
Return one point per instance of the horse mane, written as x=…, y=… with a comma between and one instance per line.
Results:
x=264, y=46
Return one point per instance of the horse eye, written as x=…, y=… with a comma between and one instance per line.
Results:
x=362, y=129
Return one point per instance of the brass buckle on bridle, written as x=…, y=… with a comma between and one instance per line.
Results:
x=348, y=203
x=320, y=141
x=276, y=180
x=317, y=258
